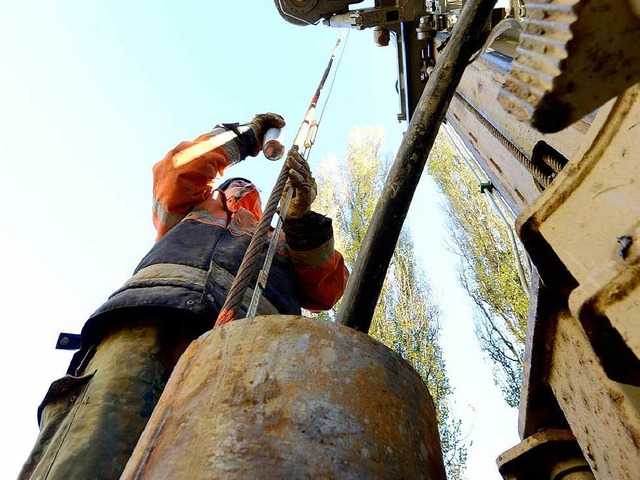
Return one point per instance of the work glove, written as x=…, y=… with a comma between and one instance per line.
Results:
x=260, y=124
x=301, y=180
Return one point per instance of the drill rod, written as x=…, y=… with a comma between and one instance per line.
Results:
x=365, y=284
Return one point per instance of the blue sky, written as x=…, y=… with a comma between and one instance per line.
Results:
x=93, y=93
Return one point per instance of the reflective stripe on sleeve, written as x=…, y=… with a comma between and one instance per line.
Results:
x=167, y=219
x=315, y=258
x=223, y=139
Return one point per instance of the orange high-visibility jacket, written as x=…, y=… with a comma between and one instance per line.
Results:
x=203, y=234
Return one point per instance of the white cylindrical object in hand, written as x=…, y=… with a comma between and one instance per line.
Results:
x=273, y=144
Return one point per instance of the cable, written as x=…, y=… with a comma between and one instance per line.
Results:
x=514, y=244
x=249, y=267
x=333, y=80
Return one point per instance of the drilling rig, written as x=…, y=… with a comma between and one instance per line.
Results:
x=549, y=107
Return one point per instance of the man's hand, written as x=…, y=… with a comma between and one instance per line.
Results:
x=260, y=124
x=305, y=189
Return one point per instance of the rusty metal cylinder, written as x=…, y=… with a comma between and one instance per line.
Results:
x=290, y=397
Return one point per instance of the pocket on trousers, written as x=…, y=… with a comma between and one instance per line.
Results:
x=68, y=385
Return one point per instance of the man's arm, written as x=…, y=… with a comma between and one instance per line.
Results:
x=320, y=268
x=181, y=182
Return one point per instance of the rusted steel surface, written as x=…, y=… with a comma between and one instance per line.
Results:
x=604, y=415
x=538, y=407
x=589, y=220
x=583, y=369
x=597, y=196
x=290, y=397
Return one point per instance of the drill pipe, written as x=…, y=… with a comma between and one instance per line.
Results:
x=365, y=284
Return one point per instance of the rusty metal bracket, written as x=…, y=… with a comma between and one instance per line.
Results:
x=548, y=454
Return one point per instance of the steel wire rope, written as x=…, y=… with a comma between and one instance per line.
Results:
x=249, y=266
x=333, y=81
x=284, y=207
x=309, y=141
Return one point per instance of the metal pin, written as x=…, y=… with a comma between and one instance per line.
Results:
x=625, y=242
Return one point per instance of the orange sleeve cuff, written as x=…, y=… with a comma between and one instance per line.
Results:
x=323, y=286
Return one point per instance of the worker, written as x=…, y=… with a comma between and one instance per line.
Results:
x=90, y=420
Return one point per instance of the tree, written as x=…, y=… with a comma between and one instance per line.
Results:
x=489, y=270
x=406, y=317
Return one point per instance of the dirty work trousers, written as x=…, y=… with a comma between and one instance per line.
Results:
x=91, y=421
